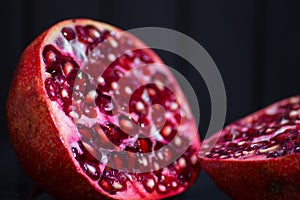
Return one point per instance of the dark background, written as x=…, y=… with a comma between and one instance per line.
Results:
x=255, y=44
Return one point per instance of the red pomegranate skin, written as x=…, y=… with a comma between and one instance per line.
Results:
x=35, y=133
x=269, y=178
x=273, y=179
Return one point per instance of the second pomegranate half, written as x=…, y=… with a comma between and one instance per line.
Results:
x=258, y=157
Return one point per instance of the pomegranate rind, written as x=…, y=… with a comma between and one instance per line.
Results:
x=37, y=129
x=251, y=178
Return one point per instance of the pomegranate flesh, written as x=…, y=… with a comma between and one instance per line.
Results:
x=258, y=157
x=93, y=114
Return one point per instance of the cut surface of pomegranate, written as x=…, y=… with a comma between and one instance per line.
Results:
x=93, y=113
x=258, y=157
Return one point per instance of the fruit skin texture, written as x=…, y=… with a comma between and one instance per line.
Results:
x=271, y=178
x=31, y=124
x=36, y=133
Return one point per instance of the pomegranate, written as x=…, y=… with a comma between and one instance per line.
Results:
x=258, y=157
x=93, y=114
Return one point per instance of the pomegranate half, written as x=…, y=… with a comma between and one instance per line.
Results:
x=68, y=113
x=258, y=157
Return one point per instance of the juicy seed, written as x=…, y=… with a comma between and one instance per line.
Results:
x=127, y=125
x=297, y=149
x=150, y=185
x=51, y=89
x=148, y=182
x=68, y=68
x=76, y=154
x=68, y=33
x=106, y=186
x=168, y=131
x=114, y=133
x=182, y=162
x=51, y=55
x=113, y=181
x=161, y=188
x=93, y=32
x=273, y=155
x=86, y=155
x=105, y=104
x=91, y=170
x=142, y=145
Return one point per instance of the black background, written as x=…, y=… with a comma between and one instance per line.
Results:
x=255, y=44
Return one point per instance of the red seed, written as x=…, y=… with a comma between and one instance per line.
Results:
x=148, y=182
x=51, y=55
x=68, y=33
x=51, y=89
x=105, y=104
x=91, y=170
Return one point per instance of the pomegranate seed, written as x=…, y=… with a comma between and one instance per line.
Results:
x=85, y=132
x=91, y=36
x=157, y=115
x=51, y=55
x=90, y=97
x=125, y=62
x=105, y=34
x=65, y=93
x=114, y=133
x=67, y=107
x=142, y=145
x=86, y=155
x=112, y=181
x=297, y=149
x=143, y=56
x=100, y=134
x=112, y=74
x=273, y=155
x=127, y=125
x=105, y=185
x=68, y=68
x=105, y=104
x=68, y=33
x=93, y=32
x=89, y=111
x=81, y=32
x=60, y=80
x=116, y=161
x=76, y=154
x=148, y=182
x=72, y=76
x=51, y=89
x=91, y=170
x=162, y=188
x=168, y=131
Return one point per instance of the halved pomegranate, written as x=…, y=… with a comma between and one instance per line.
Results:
x=93, y=114
x=258, y=157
